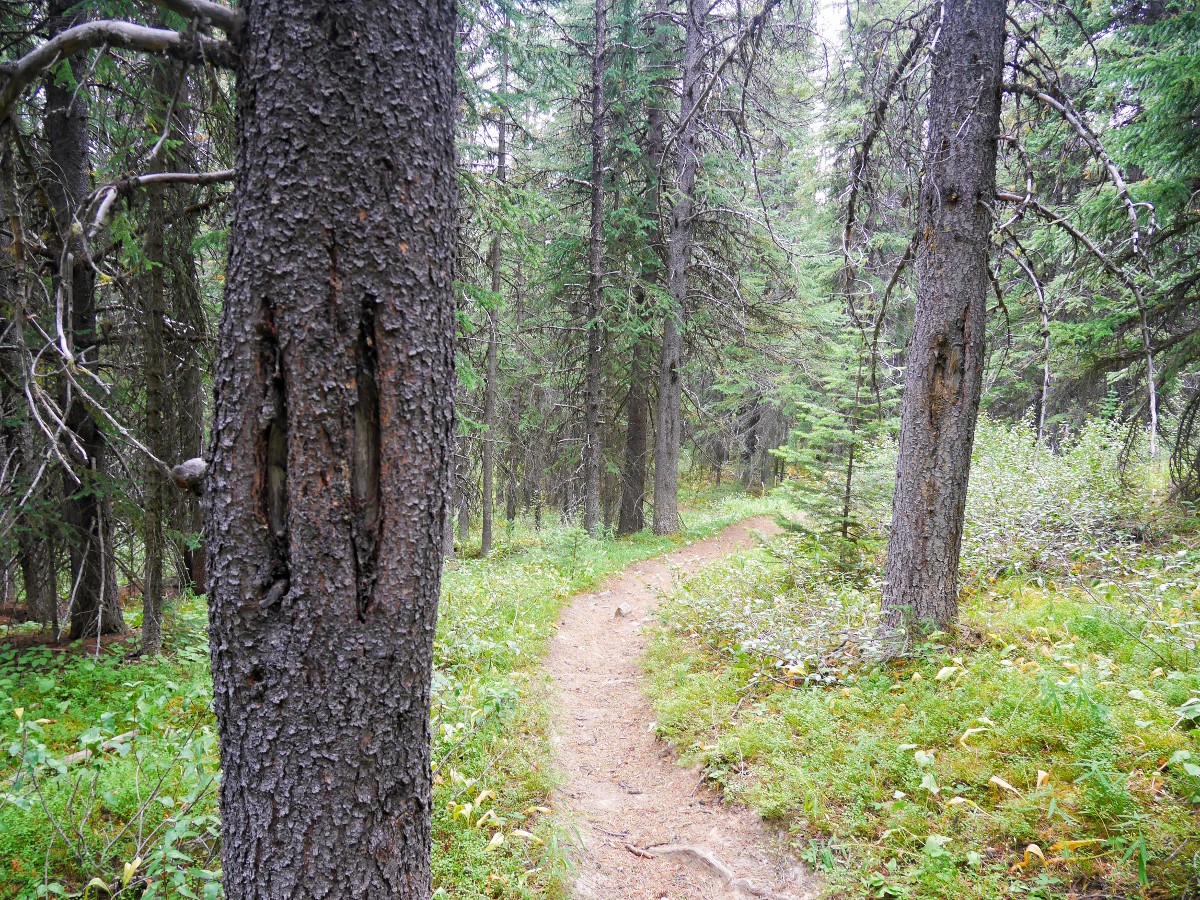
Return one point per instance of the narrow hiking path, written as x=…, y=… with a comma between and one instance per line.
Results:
x=650, y=829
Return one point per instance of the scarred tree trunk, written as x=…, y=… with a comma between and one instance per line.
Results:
x=332, y=438
x=595, y=289
x=945, y=358
x=669, y=435
x=632, y=517
x=95, y=607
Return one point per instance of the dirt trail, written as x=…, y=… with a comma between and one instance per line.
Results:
x=651, y=830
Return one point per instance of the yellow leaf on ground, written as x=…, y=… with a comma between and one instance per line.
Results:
x=962, y=738
x=1031, y=851
x=1001, y=783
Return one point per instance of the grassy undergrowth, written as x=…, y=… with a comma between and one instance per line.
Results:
x=1047, y=749
x=150, y=798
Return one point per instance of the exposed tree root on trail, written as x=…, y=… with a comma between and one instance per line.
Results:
x=649, y=829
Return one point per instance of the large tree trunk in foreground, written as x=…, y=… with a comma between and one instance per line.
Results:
x=95, y=607
x=332, y=438
x=945, y=358
x=669, y=436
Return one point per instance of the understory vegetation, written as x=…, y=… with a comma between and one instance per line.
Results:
x=1048, y=747
x=141, y=809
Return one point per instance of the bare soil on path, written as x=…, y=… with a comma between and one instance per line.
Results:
x=650, y=829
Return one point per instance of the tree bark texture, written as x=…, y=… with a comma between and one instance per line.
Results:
x=592, y=446
x=669, y=434
x=332, y=438
x=95, y=607
x=945, y=358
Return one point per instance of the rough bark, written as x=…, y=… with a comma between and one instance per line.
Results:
x=632, y=516
x=492, y=375
x=946, y=354
x=592, y=446
x=95, y=607
x=332, y=438
x=669, y=434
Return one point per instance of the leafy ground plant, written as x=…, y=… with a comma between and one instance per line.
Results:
x=1048, y=748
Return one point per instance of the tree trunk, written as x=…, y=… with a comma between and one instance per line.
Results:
x=516, y=450
x=95, y=608
x=945, y=358
x=491, y=382
x=332, y=436
x=632, y=516
x=669, y=436
x=187, y=341
x=461, y=481
x=153, y=371
x=595, y=289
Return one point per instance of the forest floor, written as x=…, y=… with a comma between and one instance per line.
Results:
x=1046, y=748
x=648, y=828
x=146, y=789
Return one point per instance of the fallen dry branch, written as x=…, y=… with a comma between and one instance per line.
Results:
x=707, y=860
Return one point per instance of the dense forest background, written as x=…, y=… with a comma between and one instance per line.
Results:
x=687, y=241
x=730, y=279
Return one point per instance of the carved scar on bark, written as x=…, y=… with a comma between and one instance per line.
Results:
x=365, y=494
x=946, y=380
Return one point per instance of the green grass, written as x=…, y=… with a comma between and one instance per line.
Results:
x=1062, y=712
x=154, y=796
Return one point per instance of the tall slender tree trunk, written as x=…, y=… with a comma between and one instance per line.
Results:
x=153, y=373
x=669, y=435
x=592, y=446
x=945, y=358
x=516, y=449
x=461, y=481
x=332, y=436
x=95, y=608
x=491, y=382
x=187, y=340
x=1043, y=395
x=632, y=517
